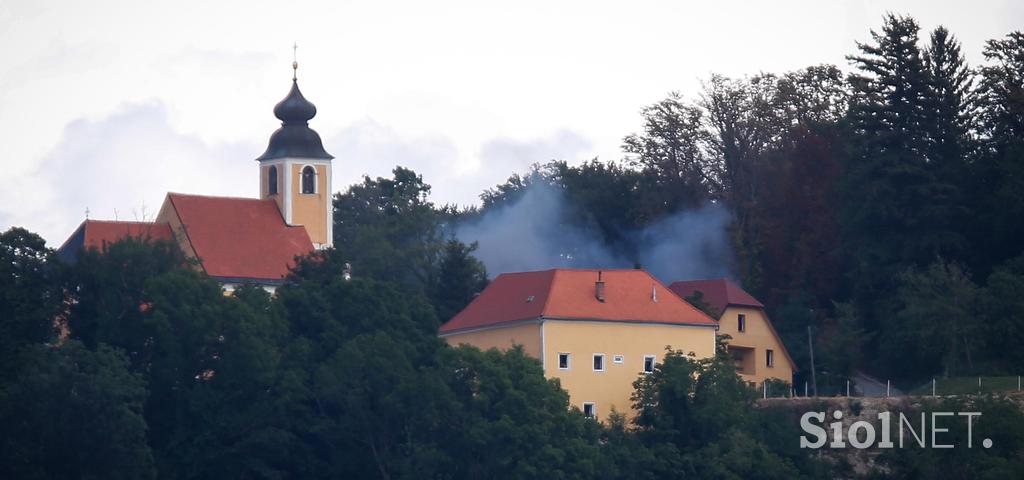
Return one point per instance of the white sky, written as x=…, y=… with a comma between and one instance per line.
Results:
x=108, y=105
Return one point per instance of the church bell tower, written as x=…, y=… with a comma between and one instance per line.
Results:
x=295, y=171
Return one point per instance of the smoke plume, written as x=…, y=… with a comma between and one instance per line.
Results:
x=541, y=230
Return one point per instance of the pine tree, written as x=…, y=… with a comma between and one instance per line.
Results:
x=952, y=102
x=999, y=172
x=897, y=211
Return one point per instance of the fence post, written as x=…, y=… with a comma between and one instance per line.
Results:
x=847, y=387
x=887, y=388
x=933, y=386
x=1018, y=383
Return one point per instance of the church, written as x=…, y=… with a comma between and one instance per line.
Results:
x=241, y=241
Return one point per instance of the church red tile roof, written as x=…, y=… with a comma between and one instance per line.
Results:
x=239, y=239
x=630, y=296
x=97, y=233
x=719, y=293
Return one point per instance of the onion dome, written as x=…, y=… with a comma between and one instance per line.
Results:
x=294, y=108
x=295, y=138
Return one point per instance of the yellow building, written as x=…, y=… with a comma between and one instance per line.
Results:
x=595, y=331
x=755, y=344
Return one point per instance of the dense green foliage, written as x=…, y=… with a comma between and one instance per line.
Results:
x=880, y=208
x=345, y=377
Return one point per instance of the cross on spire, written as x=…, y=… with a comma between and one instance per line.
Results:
x=295, y=61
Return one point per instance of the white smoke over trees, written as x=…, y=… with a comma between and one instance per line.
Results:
x=539, y=230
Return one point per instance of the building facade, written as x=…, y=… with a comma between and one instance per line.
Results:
x=754, y=343
x=245, y=240
x=595, y=331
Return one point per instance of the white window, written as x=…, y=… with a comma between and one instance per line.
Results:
x=589, y=410
x=598, y=362
x=741, y=323
x=769, y=358
x=563, y=361
x=649, y=363
x=618, y=359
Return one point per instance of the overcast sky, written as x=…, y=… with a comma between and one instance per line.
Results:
x=108, y=105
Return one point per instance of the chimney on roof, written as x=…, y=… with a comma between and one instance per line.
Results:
x=599, y=288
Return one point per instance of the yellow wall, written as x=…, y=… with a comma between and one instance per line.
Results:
x=169, y=215
x=613, y=386
x=503, y=338
x=310, y=210
x=758, y=336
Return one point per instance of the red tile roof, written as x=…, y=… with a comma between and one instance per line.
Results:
x=240, y=238
x=569, y=294
x=719, y=293
x=97, y=233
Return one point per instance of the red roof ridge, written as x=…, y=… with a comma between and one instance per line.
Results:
x=126, y=222
x=222, y=197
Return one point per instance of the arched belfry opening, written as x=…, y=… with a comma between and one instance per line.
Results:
x=272, y=180
x=308, y=180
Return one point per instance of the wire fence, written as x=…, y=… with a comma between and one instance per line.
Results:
x=869, y=387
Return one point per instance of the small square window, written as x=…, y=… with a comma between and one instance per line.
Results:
x=648, y=363
x=618, y=359
x=769, y=358
x=741, y=324
x=563, y=361
x=589, y=410
x=598, y=362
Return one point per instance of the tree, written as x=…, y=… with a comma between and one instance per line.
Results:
x=952, y=105
x=674, y=150
x=1001, y=92
x=71, y=412
x=689, y=402
x=388, y=399
x=897, y=211
x=1002, y=308
x=30, y=294
x=937, y=327
x=460, y=278
x=110, y=299
x=842, y=341
x=511, y=422
x=211, y=363
x=387, y=228
x=220, y=389
x=696, y=418
x=998, y=191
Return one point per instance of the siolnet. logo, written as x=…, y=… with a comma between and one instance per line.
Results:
x=929, y=432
